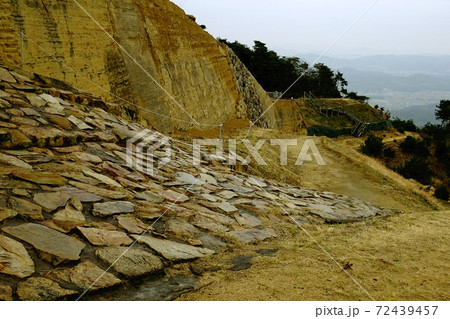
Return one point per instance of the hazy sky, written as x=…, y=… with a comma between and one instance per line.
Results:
x=311, y=26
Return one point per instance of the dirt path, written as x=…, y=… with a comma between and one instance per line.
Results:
x=351, y=174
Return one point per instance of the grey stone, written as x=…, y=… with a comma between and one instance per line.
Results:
x=130, y=262
x=82, y=195
x=189, y=179
x=173, y=197
x=226, y=207
x=247, y=220
x=103, y=237
x=113, y=208
x=211, y=242
x=51, y=201
x=172, y=250
x=208, y=224
x=253, y=235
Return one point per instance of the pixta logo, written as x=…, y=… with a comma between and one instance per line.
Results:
x=307, y=152
x=149, y=151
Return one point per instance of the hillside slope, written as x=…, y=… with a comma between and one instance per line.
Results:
x=72, y=203
x=298, y=114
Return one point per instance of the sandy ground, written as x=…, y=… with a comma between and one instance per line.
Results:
x=404, y=257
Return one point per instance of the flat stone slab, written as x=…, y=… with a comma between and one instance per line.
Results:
x=6, y=213
x=113, y=208
x=173, y=197
x=241, y=263
x=84, y=276
x=99, y=191
x=41, y=289
x=208, y=224
x=102, y=178
x=49, y=99
x=211, y=198
x=41, y=178
x=130, y=262
x=103, y=237
x=6, y=76
x=248, y=236
x=189, y=179
x=82, y=195
x=26, y=208
x=51, y=201
x=12, y=160
x=54, y=246
x=208, y=179
x=247, y=220
x=14, y=258
x=227, y=194
x=79, y=123
x=172, y=250
x=132, y=225
x=87, y=157
x=183, y=230
x=226, y=207
x=69, y=218
x=257, y=182
x=215, y=216
x=211, y=242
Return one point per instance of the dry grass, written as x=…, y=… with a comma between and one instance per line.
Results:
x=404, y=257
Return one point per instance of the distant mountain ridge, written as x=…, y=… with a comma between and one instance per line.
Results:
x=409, y=86
x=394, y=64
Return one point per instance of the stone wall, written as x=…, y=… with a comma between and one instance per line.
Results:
x=254, y=100
x=200, y=73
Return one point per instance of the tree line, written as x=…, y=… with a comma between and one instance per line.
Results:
x=277, y=73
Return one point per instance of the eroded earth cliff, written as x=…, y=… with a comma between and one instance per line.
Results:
x=199, y=72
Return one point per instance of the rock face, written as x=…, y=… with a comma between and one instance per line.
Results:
x=183, y=58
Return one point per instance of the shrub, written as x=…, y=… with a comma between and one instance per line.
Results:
x=403, y=126
x=409, y=144
x=442, y=193
x=389, y=152
x=422, y=149
x=418, y=169
x=413, y=146
x=373, y=146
